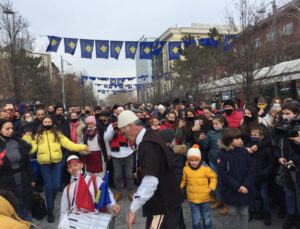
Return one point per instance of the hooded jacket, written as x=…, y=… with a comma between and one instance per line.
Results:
x=236, y=169
x=199, y=183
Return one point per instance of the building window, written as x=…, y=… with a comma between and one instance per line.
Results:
x=287, y=29
x=270, y=36
x=257, y=43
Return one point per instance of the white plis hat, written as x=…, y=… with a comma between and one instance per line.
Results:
x=125, y=118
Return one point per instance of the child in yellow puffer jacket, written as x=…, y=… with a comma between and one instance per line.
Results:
x=200, y=181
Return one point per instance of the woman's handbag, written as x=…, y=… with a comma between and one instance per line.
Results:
x=38, y=209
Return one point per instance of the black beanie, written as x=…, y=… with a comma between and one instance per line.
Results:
x=229, y=102
x=167, y=134
x=58, y=106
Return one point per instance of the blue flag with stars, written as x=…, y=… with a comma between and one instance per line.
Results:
x=115, y=48
x=174, y=48
x=130, y=49
x=53, y=43
x=102, y=49
x=157, y=47
x=146, y=50
x=210, y=42
x=70, y=45
x=228, y=40
x=87, y=47
x=120, y=81
x=113, y=81
x=189, y=42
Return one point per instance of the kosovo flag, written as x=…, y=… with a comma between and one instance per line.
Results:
x=115, y=48
x=113, y=81
x=210, y=42
x=146, y=50
x=228, y=39
x=189, y=42
x=53, y=43
x=102, y=49
x=120, y=81
x=174, y=50
x=130, y=49
x=70, y=45
x=157, y=47
x=86, y=48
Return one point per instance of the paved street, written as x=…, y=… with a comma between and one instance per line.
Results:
x=120, y=222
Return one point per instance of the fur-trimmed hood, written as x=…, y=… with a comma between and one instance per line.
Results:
x=179, y=149
x=224, y=147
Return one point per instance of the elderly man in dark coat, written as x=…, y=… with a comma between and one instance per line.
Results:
x=158, y=193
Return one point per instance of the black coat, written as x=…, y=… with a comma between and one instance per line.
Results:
x=100, y=140
x=7, y=180
x=154, y=159
x=236, y=169
x=264, y=162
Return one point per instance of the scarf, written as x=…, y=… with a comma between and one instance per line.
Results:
x=117, y=141
x=74, y=132
x=91, y=133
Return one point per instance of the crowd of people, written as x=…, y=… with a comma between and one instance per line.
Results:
x=227, y=159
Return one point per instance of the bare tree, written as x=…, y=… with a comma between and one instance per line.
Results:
x=251, y=53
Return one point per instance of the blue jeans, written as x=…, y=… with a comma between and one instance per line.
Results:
x=201, y=215
x=261, y=190
x=217, y=193
x=293, y=198
x=22, y=211
x=51, y=175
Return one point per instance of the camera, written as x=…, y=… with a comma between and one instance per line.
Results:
x=288, y=129
x=290, y=166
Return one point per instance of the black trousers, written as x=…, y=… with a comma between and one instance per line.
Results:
x=170, y=221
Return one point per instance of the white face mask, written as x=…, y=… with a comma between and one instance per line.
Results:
x=28, y=119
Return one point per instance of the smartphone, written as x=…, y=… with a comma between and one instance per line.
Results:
x=197, y=123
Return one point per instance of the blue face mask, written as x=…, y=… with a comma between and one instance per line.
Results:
x=254, y=139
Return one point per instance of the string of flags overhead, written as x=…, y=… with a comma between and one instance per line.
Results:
x=117, y=84
x=147, y=49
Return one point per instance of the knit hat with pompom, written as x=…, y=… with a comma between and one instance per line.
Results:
x=194, y=152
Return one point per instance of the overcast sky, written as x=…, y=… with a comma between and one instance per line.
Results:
x=113, y=20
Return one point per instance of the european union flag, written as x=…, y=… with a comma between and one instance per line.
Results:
x=70, y=45
x=146, y=49
x=86, y=48
x=102, y=49
x=53, y=43
x=115, y=48
x=174, y=50
x=157, y=47
x=210, y=42
x=130, y=49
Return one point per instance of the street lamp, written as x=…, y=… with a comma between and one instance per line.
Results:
x=274, y=21
x=12, y=36
x=63, y=79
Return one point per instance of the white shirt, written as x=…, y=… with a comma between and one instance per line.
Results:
x=94, y=144
x=64, y=205
x=123, y=152
x=148, y=185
